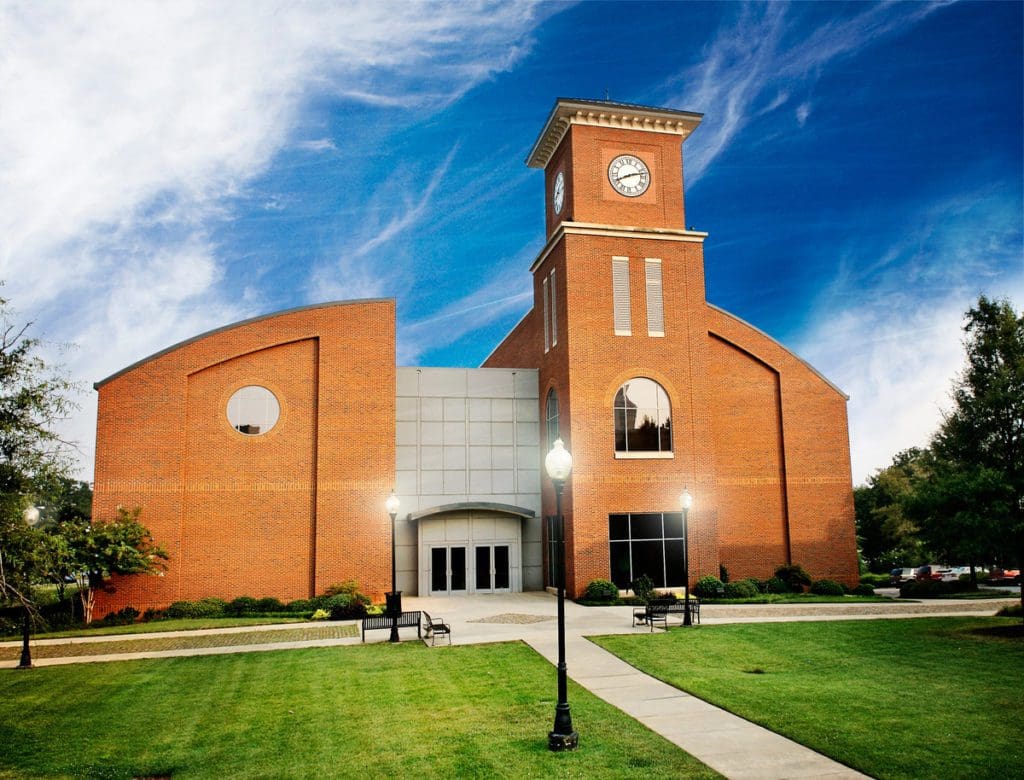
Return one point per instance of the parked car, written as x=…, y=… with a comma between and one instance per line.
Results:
x=928, y=572
x=1005, y=576
x=897, y=576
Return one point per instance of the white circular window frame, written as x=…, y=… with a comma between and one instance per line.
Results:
x=276, y=396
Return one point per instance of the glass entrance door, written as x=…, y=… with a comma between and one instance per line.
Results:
x=447, y=569
x=492, y=568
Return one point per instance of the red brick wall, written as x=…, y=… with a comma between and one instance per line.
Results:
x=283, y=514
x=815, y=452
x=747, y=436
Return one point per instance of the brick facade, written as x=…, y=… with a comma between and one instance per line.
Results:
x=283, y=514
x=758, y=437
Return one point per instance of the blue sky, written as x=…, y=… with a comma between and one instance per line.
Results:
x=167, y=168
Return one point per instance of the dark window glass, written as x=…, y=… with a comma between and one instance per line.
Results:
x=650, y=548
x=646, y=526
x=621, y=572
x=438, y=569
x=458, y=556
x=674, y=562
x=618, y=526
x=501, y=567
x=649, y=559
x=483, y=568
x=673, y=525
x=642, y=417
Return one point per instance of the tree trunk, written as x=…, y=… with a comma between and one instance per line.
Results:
x=26, y=650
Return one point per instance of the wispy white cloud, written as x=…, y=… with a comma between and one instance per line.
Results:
x=752, y=67
x=127, y=130
x=888, y=329
x=508, y=291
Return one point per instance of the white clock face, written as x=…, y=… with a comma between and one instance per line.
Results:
x=629, y=175
x=558, y=193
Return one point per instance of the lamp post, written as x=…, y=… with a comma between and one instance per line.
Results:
x=686, y=501
x=394, y=598
x=558, y=464
x=31, y=518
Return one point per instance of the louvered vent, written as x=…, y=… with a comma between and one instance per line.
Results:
x=655, y=299
x=620, y=295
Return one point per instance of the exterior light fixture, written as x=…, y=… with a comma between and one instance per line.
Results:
x=558, y=464
x=394, y=598
x=686, y=501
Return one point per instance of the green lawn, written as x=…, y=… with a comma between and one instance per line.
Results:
x=368, y=711
x=158, y=626
x=910, y=698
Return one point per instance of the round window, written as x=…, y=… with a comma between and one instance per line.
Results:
x=253, y=410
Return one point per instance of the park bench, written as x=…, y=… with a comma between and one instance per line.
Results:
x=435, y=626
x=405, y=620
x=658, y=610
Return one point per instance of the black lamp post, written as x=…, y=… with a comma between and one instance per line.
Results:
x=686, y=501
x=31, y=516
x=558, y=464
x=394, y=598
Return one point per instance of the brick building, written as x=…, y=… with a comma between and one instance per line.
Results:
x=261, y=453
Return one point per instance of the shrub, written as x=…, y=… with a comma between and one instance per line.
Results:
x=875, y=580
x=208, y=607
x=123, y=617
x=343, y=606
x=1011, y=610
x=269, y=604
x=643, y=588
x=794, y=576
x=154, y=614
x=776, y=585
x=708, y=587
x=320, y=614
x=348, y=588
x=826, y=588
x=863, y=590
x=758, y=584
x=743, y=589
x=601, y=590
x=301, y=605
x=243, y=605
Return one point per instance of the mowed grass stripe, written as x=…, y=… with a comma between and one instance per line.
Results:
x=153, y=644
x=376, y=710
x=909, y=698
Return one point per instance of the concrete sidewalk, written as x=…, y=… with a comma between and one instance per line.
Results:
x=729, y=744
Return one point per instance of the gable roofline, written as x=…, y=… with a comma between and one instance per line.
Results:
x=231, y=326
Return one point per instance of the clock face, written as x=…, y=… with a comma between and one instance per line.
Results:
x=629, y=175
x=558, y=193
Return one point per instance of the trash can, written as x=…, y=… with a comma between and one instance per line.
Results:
x=393, y=603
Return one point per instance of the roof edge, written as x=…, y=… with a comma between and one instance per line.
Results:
x=230, y=326
x=490, y=506
x=782, y=346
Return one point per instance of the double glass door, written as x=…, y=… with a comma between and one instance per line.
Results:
x=487, y=570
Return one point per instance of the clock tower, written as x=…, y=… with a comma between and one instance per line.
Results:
x=619, y=287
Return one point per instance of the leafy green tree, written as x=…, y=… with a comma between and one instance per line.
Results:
x=34, y=399
x=95, y=551
x=972, y=502
x=888, y=537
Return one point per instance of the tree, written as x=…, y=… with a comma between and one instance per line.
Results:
x=972, y=502
x=95, y=551
x=34, y=398
x=888, y=537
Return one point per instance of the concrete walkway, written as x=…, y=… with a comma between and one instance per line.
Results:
x=729, y=744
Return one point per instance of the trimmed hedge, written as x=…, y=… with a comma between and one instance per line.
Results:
x=601, y=591
x=827, y=588
x=932, y=589
x=743, y=589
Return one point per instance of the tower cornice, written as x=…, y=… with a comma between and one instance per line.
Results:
x=616, y=231
x=625, y=116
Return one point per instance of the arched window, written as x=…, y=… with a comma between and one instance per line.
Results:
x=643, y=417
x=551, y=417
